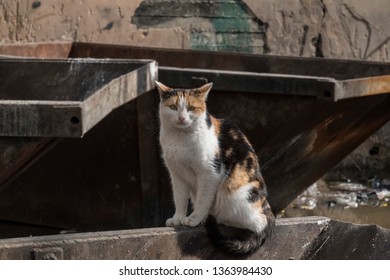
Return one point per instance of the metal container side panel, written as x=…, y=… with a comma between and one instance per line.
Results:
x=84, y=184
x=340, y=69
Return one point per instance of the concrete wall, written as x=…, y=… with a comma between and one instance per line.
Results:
x=326, y=28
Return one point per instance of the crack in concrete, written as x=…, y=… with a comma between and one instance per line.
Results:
x=378, y=47
x=317, y=43
x=365, y=22
x=324, y=8
x=319, y=248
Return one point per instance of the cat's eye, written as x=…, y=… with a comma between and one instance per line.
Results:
x=173, y=107
x=191, y=108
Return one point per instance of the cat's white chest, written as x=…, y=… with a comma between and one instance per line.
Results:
x=189, y=151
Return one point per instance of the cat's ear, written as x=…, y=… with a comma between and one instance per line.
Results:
x=204, y=90
x=162, y=89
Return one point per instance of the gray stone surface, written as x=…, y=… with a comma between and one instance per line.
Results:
x=345, y=241
x=326, y=28
x=294, y=238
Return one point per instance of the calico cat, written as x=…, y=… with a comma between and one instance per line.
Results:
x=211, y=162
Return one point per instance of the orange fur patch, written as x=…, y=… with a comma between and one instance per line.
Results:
x=174, y=100
x=217, y=125
x=198, y=103
x=238, y=177
x=260, y=203
x=190, y=99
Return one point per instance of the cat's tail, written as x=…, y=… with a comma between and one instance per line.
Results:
x=236, y=241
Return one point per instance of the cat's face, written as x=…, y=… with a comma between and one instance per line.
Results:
x=182, y=108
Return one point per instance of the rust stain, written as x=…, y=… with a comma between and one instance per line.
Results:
x=365, y=86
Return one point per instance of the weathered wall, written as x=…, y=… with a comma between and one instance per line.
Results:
x=329, y=28
x=326, y=28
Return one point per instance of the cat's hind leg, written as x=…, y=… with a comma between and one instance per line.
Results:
x=240, y=221
x=244, y=208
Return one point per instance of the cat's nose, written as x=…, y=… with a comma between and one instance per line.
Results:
x=181, y=118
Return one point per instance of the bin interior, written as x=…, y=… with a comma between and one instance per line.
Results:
x=58, y=80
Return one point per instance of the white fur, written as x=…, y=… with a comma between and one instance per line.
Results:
x=188, y=151
x=233, y=209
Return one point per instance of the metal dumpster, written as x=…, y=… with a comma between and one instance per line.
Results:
x=287, y=105
x=45, y=103
x=302, y=116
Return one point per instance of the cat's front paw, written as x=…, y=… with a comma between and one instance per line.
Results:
x=191, y=221
x=174, y=221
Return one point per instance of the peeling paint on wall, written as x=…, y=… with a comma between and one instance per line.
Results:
x=356, y=29
x=225, y=25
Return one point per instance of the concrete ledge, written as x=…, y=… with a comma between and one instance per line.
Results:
x=294, y=238
x=345, y=241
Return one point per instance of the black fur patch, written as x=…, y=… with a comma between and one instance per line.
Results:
x=217, y=164
x=208, y=120
x=240, y=243
x=231, y=139
x=165, y=95
x=249, y=164
x=255, y=194
x=236, y=150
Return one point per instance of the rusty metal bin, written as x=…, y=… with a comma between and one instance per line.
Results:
x=48, y=108
x=302, y=116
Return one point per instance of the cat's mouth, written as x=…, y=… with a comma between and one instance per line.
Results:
x=183, y=124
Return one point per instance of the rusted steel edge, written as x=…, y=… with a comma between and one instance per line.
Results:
x=75, y=118
x=42, y=49
x=118, y=92
x=293, y=237
x=328, y=67
x=362, y=87
x=251, y=82
x=320, y=87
